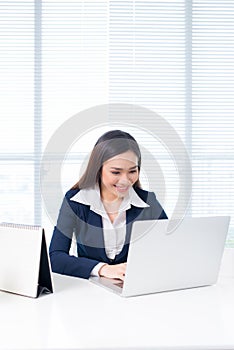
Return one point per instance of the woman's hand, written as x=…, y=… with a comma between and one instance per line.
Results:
x=113, y=271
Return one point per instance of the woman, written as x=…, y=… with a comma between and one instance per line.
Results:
x=100, y=209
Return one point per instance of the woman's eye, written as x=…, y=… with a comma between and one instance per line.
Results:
x=133, y=171
x=115, y=172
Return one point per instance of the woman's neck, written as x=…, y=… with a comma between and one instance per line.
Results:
x=112, y=207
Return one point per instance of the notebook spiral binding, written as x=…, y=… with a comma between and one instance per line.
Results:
x=20, y=226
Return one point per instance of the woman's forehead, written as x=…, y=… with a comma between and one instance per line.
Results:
x=125, y=157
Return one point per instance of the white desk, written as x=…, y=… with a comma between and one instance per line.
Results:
x=81, y=315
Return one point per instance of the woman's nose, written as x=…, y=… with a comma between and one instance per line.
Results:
x=125, y=177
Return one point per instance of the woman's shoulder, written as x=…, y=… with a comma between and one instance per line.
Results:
x=71, y=193
x=147, y=196
x=155, y=206
x=69, y=201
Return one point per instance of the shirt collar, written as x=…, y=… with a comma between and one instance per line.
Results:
x=91, y=196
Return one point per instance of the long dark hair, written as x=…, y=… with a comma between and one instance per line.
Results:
x=110, y=144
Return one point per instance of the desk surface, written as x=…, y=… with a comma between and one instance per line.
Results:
x=81, y=315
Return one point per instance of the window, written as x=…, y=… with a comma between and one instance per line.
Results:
x=174, y=57
x=17, y=110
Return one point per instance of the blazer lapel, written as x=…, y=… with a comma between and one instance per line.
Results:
x=94, y=235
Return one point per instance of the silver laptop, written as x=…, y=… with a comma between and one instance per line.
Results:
x=167, y=255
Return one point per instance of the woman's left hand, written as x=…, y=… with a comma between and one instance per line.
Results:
x=113, y=271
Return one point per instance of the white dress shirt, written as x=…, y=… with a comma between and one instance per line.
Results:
x=114, y=232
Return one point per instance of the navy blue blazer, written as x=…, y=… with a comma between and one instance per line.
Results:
x=77, y=220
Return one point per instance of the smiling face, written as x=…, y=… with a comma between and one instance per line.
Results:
x=118, y=175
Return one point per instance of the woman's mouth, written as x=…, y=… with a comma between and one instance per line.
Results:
x=121, y=189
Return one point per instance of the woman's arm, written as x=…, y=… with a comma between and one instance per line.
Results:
x=61, y=261
x=156, y=208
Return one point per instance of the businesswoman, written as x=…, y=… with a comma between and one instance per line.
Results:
x=99, y=211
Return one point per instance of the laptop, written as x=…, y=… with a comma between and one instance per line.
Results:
x=166, y=255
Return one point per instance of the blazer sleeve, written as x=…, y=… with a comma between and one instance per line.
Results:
x=157, y=210
x=61, y=261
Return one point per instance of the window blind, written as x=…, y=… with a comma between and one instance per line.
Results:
x=74, y=59
x=177, y=58
x=147, y=68
x=213, y=109
x=174, y=57
x=17, y=110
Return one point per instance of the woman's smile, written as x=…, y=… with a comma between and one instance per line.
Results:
x=122, y=189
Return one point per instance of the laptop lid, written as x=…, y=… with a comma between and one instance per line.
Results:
x=169, y=255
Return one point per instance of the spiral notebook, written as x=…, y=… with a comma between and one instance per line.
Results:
x=24, y=263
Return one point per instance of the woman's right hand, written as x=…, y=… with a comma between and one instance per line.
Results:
x=113, y=271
